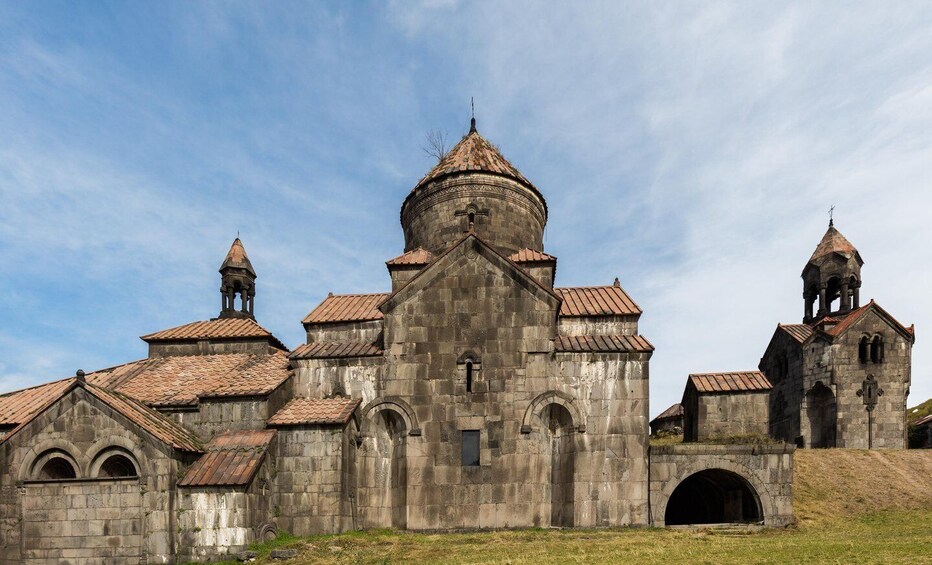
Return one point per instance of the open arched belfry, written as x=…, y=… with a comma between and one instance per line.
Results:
x=472, y=394
x=841, y=378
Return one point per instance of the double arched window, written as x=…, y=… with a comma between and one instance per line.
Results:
x=59, y=465
x=870, y=349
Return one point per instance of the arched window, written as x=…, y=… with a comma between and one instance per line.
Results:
x=117, y=466
x=54, y=465
x=469, y=376
x=877, y=349
x=863, y=349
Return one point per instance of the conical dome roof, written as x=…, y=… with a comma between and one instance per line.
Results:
x=474, y=153
x=834, y=242
x=237, y=259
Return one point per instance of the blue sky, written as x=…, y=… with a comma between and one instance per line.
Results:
x=691, y=149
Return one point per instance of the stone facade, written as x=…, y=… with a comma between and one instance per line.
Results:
x=475, y=394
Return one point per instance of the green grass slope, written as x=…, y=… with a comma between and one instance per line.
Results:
x=913, y=414
x=853, y=506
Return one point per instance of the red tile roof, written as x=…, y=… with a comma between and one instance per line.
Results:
x=232, y=459
x=302, y=411
x=531, y=256
x=799, y=332
x=675, y=411
x=473, y=153
x=19, y=408
x=237, y=258
x=347, y=308
x=336, y=350
x=596, y=301
x=602, y=343
x=743, y=381
x=182, y=380
x=224, y=328
x=414, y=257
x=833, y=242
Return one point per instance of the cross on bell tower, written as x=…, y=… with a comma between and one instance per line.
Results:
x=237, y=277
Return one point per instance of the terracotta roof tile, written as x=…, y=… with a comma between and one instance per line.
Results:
x=602, y=343
x=182, y=380
x=743, y=381
x=223, y=328
x=799, y=332
x=347, y=308
x=335, y=350
x=302, y=411
x=530, y=256
x=675, y=411
x=232, y=459
x=596, y=301
x=160, y=426
x=414, y=257
x=473, y=153
x=20, y=406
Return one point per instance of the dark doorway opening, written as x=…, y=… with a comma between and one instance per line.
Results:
x=713, y=496
x=820, y=407
x=562, y=464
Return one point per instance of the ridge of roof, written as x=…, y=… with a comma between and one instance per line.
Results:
x=528, y=255
x=309, y=411
x=418, y=256
x=236, y=258
x=732, y=381
x=217, y=328
x=855, y=315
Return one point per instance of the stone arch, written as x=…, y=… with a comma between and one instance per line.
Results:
x=713, y=496
x=397, y=405
x=764, y=496
x=820, y=416
x=552, y=397
x=77, y=458
x=54, y=464
x=115, y=443
x=114, y=462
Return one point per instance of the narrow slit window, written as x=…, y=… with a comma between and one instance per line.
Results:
x=470, y=451
x=468, y=376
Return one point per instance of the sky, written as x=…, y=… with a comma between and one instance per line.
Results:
x=692, y=149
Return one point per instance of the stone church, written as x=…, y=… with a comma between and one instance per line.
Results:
x=841, y=378
x=472, y=394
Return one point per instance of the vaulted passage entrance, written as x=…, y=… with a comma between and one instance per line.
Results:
x=562, y=464
x=713, y=496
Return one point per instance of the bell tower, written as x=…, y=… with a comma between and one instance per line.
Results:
x=832, y=277
x=237, y=277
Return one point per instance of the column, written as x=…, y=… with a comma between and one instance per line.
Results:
x=823, y=307
x=857, y=294
x=845, y=299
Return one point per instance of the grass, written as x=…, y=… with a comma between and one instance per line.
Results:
x=854, y=506
x=913, y=414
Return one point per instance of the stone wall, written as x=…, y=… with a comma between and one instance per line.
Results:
x=362, y=332
x=783, y=365
x=509, y=215
x=605, y=325
x=728, y=414
x=767, y=469
x=210, y=347
x=81, y=428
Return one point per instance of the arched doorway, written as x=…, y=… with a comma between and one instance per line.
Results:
x=713, y=496
x=559, y=424
x=384, y=480
x=820, y=409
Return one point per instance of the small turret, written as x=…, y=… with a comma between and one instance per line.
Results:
x=832, y=273
x=237, y=277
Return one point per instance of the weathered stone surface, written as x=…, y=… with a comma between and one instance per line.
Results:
x=284, y=553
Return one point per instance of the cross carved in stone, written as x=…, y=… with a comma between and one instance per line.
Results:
x=870, y=392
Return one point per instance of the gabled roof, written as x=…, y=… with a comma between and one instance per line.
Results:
x=602, y=344
x=675, y=411
x=347, y=308
x=237, y=259
x=530, y=284
x=596, y=301
x=21, y=405
x=799, y=332
x=307, y=411
x=158, y=425
x=834, y=242
x=527, y=255
x=855, y=315
x=474, y=153
x=414, y=257
x=232, y=459
x=221, y=328
x=338, y=350
x=741, y=381
x=180, y=381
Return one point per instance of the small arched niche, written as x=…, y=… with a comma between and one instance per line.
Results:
x=114, y=463
x=54, y=466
